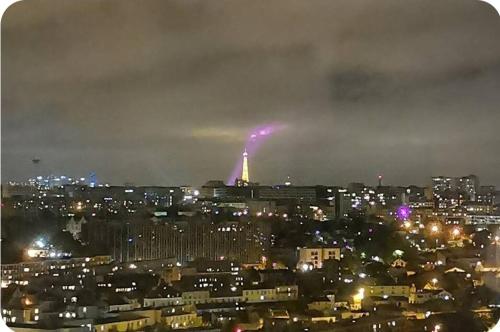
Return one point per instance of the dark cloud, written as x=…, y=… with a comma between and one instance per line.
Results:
x=166, y=91
x=356, y=85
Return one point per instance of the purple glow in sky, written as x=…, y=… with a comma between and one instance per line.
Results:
x=255, y=139
x=403, y=212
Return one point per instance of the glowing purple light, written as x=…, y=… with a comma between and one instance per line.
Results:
x=255, y=139
x=403, y=212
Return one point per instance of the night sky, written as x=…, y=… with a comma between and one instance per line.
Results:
x=166, y=92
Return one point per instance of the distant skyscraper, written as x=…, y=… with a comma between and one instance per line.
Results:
x=465, y=185
x=469, y=185
x=244, y=171
x=441, y=184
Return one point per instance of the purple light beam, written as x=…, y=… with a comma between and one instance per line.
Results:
x=255, y=139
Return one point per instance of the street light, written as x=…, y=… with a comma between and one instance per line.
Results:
x=435, y=231
x=306, y=267
x=360, y=295
x=358, y=298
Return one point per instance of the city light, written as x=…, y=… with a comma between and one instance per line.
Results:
x=360, y=295
x=40, y=243
x=297, y=166
x=33, y=253
x=403, y=212
x=306, y=267
x=398, y=253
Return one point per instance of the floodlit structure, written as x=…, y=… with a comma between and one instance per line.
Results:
x=244, y=170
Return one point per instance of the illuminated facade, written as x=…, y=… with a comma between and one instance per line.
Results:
x=315, y=257
x=274, y=294
x=391, y=290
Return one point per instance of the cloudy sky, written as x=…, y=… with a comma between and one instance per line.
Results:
x=166, y=92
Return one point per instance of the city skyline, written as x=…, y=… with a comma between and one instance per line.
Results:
x=170, y=96
x=229, y=166
x=85, y=179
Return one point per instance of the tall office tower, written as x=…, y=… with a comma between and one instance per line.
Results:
x=441, y=184
x=486, y=195
x=469, y=185
x=343, y=203
x=244, y=171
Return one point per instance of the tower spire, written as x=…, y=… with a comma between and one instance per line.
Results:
x=244, y=171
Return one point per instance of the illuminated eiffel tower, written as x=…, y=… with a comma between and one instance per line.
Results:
x=244, y=172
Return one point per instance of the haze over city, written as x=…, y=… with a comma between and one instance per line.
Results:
x=168, y=93
x=230, y=166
